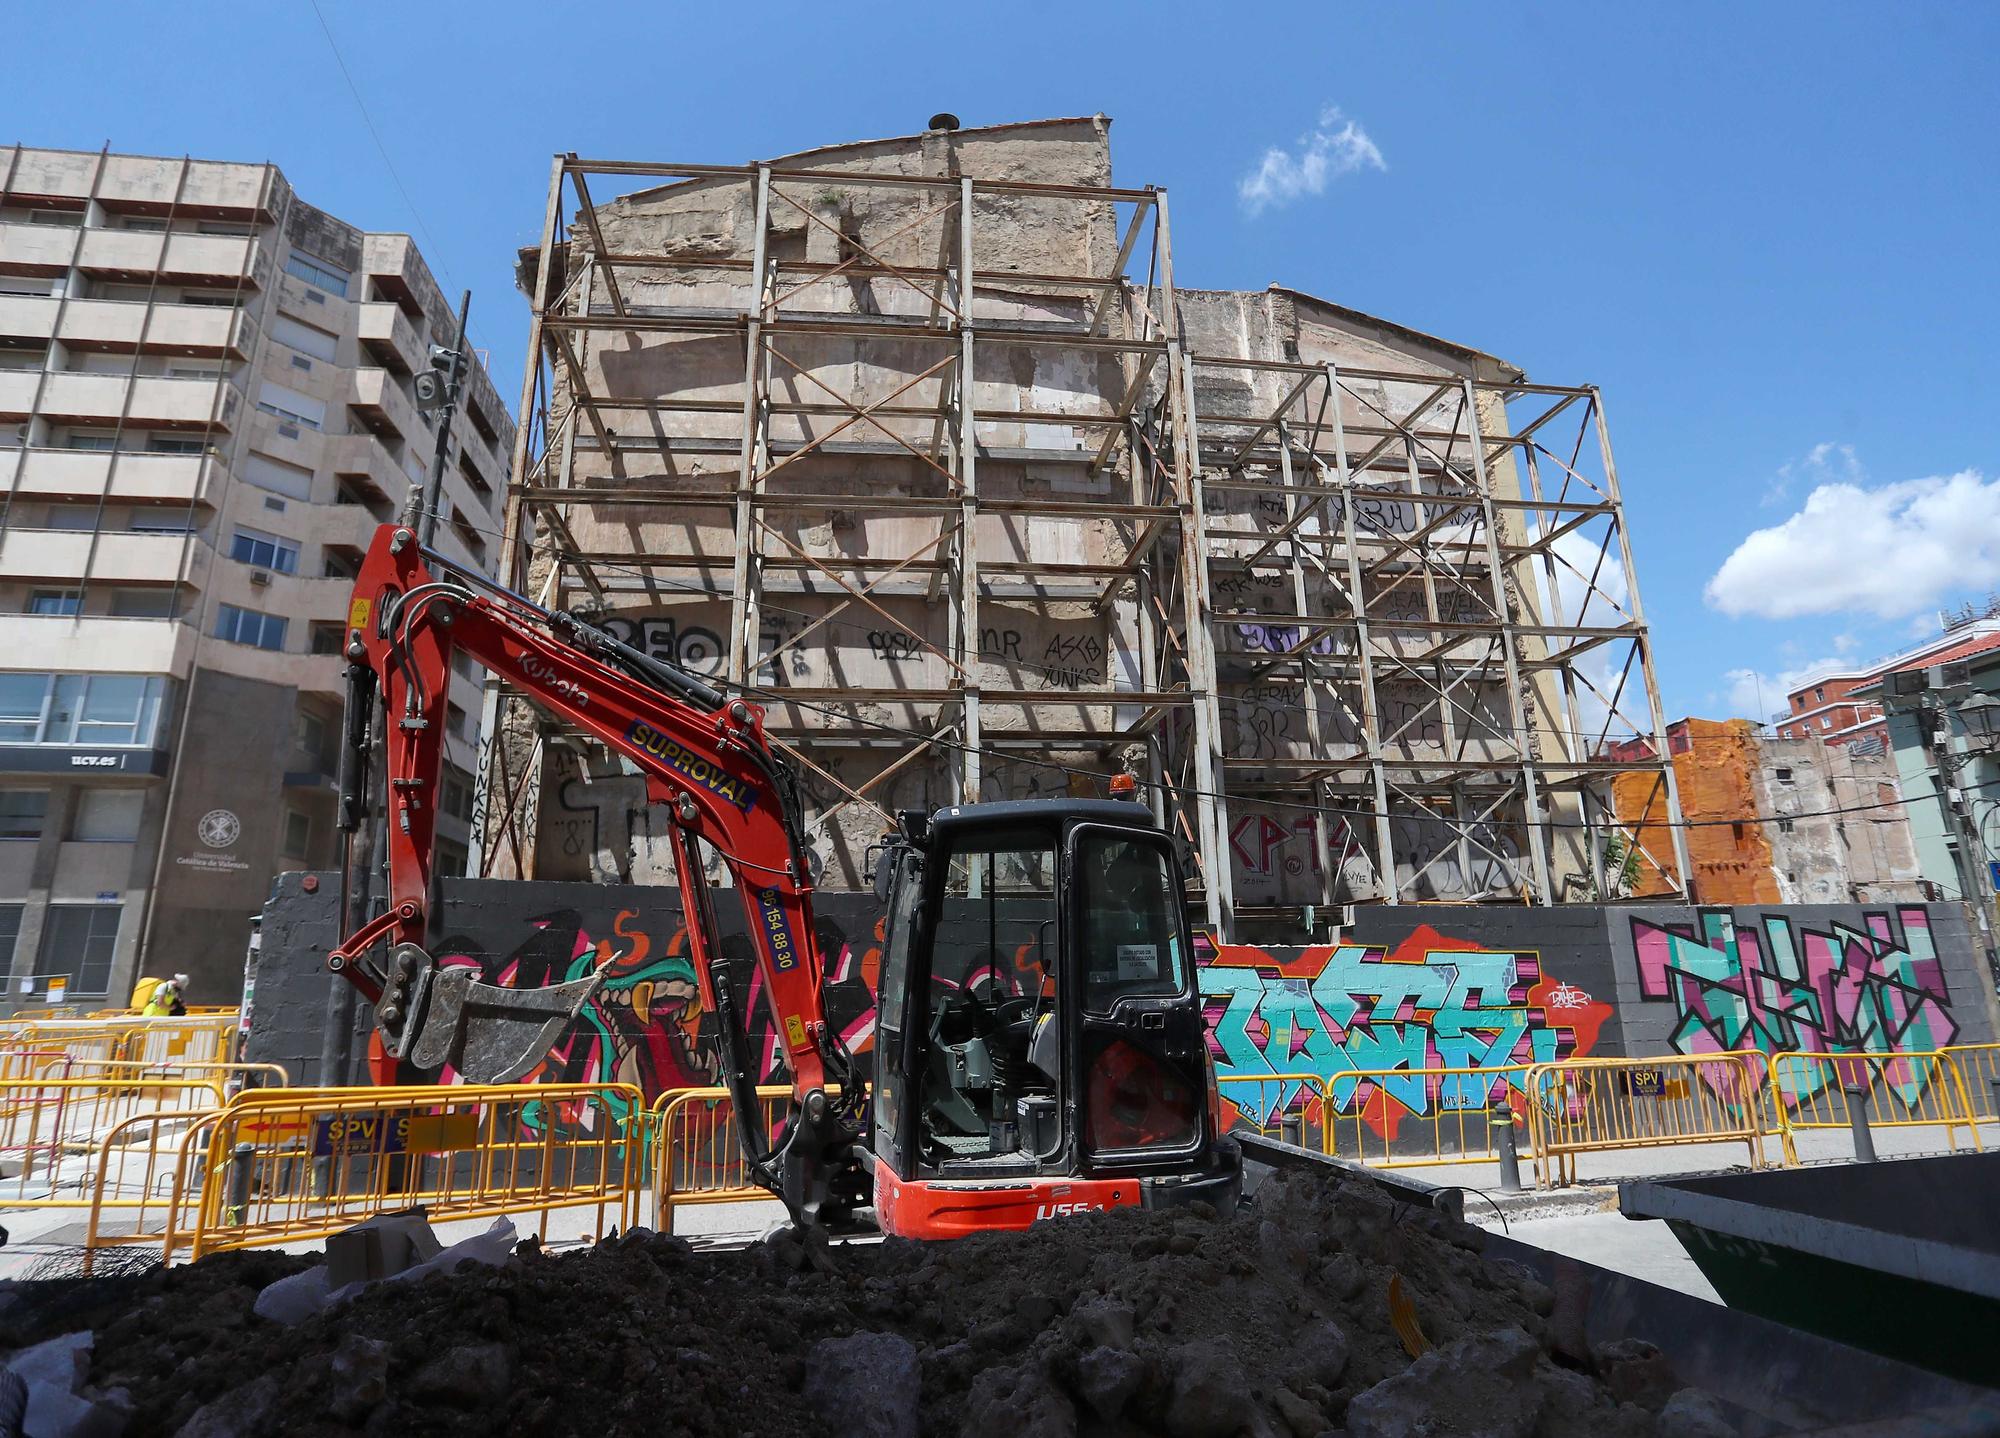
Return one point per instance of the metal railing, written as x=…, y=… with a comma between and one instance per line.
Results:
x=1597, y=1105
x=289, y=1165
x=1890, y=1090
x=697, y=1156
x=51, y=1130
x=148, y=1184
x=1386, y=1118
x=1979, y=1071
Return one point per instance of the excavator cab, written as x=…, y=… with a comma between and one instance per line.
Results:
x=1040, y=1047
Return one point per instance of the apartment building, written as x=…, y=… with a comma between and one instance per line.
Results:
x=205, y=410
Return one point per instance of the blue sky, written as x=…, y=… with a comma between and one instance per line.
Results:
x=1767, y=231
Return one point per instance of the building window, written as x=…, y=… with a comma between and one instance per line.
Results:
x=266, y=551
x=107, y=816
x=69, y=219
x=1784, y=826
x=318, y=272
x=175, y=444
x=98, y=709
x=1783, y=776
x=455, y=796
x=298, y=835
x=455, y=719
x=329, y=639
x=10, y=935
x=78, y=943
x=289, y=404
x=90, y=441
x=22, y=812
x=1819, y=694
x=142, y=222
x=54, y=601
x=145, y=603
x=223, y=227
x=450, y=859
x=159, y=521
x=247, y=626
x=1826, y=721
x=309, y=733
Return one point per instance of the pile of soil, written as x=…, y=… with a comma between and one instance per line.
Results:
x=1275, y=1321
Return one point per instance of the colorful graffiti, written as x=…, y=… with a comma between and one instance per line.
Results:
x=1430, y=1002
x=646, y=1025
x=1778, y=985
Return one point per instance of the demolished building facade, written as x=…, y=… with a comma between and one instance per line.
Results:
x=919, y=443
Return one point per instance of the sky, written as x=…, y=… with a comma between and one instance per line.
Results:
x=1766, y=231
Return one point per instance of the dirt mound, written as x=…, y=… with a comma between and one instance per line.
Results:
x=1273, y=1322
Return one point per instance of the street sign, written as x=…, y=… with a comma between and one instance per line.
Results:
x=1647, y=1083
x=1993, y=873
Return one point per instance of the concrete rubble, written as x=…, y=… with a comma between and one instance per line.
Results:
x=1270, y=1324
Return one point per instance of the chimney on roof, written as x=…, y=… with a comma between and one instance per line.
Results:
x=944, y=120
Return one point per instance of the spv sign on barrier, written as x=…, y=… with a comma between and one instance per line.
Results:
x=357, y=1133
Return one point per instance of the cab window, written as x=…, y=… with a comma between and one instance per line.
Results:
x=1130, y=925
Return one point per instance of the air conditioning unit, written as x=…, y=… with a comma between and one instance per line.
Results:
x=1905, y=681
x=259, y=577
x=1957, y=673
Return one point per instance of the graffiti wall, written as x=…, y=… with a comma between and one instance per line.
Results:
x=645, y=1025
x=1368, y=1020
x=1367, y=1025
x=1891, y=979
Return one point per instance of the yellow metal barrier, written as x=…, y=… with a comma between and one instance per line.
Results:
x=1413, y=1118
x=1386, y=1118
x=51, y=1130
x=1979, y=1068
x=148, y=1183
x=1598, y=1105
x=697, y=1156
x=295, y=1164
x=234, y=1077
x=25, y=1047
x=1904, y=1090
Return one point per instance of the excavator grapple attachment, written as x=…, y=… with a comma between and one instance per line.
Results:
x=491, y=1034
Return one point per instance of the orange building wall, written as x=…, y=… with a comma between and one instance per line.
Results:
x=1732, y=862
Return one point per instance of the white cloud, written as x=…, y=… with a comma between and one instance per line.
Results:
x=1827, y=462
x=1892, y=551
x=1753, y=694
x=1335, y=147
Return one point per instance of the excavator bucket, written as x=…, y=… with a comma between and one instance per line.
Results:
x=490, y=1034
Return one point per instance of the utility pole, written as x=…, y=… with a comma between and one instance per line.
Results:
x=437, y=392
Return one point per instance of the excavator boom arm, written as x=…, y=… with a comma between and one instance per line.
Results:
x=703, y=756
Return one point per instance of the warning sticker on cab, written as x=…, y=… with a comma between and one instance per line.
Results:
x=1138, y=961
x=357, y=614
x=795, y=1031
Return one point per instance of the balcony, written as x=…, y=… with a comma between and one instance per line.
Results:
x=178, y=258
x=120, y=558
x=360, y=461
x=150, y=184
x=374, y=398
x=397, y=269
x=122, y=326
x=158, y=401
x=389, y=337
x=97, y=644
x=71, y=474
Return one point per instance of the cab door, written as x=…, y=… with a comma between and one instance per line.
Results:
x=899, y=1012
x=1137, y=1042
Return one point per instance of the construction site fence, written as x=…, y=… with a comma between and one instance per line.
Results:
x=289, y=1165
x=197, y=1038
x=52, y=1129
x=1385, y=1118
x=698, y=1151
x=1597, y=1105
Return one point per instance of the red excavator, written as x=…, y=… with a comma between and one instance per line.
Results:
x=1040, y=1048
